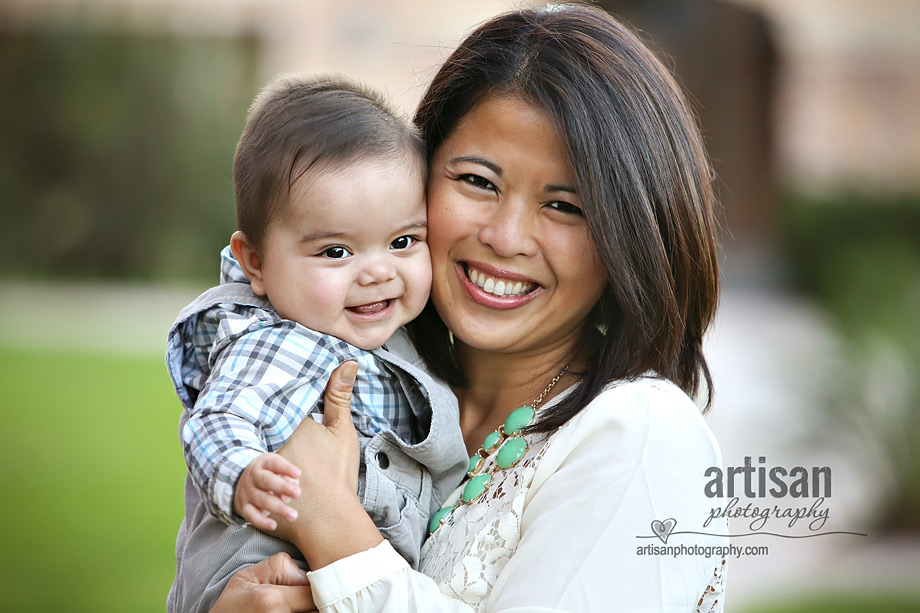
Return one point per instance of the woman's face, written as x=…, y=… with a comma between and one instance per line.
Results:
x=514, y=269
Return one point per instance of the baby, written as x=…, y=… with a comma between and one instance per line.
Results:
x=328, y=262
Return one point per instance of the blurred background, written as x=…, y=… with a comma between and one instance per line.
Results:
x=119, y=122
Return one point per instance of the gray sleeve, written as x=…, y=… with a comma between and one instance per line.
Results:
x=212, y=553
x=209, y=552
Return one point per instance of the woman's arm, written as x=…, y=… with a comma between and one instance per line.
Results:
x=334, y=532
x=636, y=455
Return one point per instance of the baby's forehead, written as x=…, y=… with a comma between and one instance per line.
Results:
x=364, y=197
x=404, y=163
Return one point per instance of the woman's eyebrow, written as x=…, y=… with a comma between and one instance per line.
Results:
x=560, y=188
x=477, y=160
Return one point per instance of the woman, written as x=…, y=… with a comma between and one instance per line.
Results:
x=571, y=233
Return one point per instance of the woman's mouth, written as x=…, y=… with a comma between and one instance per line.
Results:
x=495, y=290
x=498, y=286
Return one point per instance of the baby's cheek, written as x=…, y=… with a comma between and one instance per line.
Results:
x=322, y=306
x=422, y=285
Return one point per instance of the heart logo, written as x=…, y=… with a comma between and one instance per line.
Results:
x=663, y=529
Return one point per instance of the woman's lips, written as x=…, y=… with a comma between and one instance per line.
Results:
x=495, y=288
x=497, y=285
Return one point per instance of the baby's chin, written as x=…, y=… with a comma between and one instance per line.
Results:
x=368, y=340
x=369, y=343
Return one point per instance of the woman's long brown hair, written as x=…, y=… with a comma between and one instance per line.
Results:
x=642, y=175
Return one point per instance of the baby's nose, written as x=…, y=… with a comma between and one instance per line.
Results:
x=377, y=269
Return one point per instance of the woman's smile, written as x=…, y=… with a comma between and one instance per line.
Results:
x=499, y=289
x=514, y=267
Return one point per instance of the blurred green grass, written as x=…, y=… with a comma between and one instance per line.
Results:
x=91, y=475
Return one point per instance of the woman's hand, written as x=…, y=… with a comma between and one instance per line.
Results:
x=328, y=454
x=331, y=523
x=274, y=585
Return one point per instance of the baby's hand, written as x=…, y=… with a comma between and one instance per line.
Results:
x=265, y=487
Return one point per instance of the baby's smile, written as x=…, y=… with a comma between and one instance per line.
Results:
x=374, y=308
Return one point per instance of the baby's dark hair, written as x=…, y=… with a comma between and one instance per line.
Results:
x=301, y=122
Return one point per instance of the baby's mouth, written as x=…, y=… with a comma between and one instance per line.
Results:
x=369, y=309
x=498, y=286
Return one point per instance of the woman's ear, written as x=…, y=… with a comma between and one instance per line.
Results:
x=249, y=259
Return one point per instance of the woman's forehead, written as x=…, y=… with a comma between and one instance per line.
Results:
x=499, y=123
x=506, y=108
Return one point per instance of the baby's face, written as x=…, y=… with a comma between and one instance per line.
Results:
x=349, y=257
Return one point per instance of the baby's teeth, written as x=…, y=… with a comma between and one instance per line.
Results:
x=499, y=288
x=489, y=285
x=517, y=288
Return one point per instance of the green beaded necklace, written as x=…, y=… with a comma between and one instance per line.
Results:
x=511, y=448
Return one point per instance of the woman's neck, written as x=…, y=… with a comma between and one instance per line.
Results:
x=500, y=383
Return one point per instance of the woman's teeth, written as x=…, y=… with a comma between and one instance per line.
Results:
x=498, y=288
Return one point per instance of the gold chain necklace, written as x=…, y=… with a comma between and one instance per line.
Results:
x=511, y=447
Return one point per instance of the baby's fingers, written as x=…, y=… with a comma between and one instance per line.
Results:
x=283, y=487
x=272, y=503
x=258, y=518
x=262, y=506
x=280, y=465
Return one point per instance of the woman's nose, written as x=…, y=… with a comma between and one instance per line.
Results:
x=375, y=270
x=509, y=230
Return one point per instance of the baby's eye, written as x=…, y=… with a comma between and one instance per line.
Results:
x=336, y=253
x=477, y=181
x=403, y=242
x=566, y=207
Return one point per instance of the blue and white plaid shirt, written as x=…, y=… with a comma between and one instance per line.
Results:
x=248, y=377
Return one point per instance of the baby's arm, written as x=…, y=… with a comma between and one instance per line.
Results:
x=265, y=487
x=260, y=387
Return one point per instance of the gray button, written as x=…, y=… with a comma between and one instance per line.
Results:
x=382, y=460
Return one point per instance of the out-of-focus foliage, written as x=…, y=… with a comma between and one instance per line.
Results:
x=92, y=482
x=860, y=259
x=116, y=152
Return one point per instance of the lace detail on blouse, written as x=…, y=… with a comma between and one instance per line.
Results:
x=713, y=598
x=467, y=553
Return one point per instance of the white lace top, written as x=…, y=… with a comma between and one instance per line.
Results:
x=561, y=530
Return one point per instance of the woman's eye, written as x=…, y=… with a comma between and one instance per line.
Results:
x=336, y=253
x=477, y=181
x=403, y=242
x=565, y=207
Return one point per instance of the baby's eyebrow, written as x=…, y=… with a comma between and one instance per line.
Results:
x=417, y=224
x=315, y=236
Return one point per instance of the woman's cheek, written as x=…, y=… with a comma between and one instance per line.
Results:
x=438, y=226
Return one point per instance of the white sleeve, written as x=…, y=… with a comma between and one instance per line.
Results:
x=636, y=454
x=378, y=579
